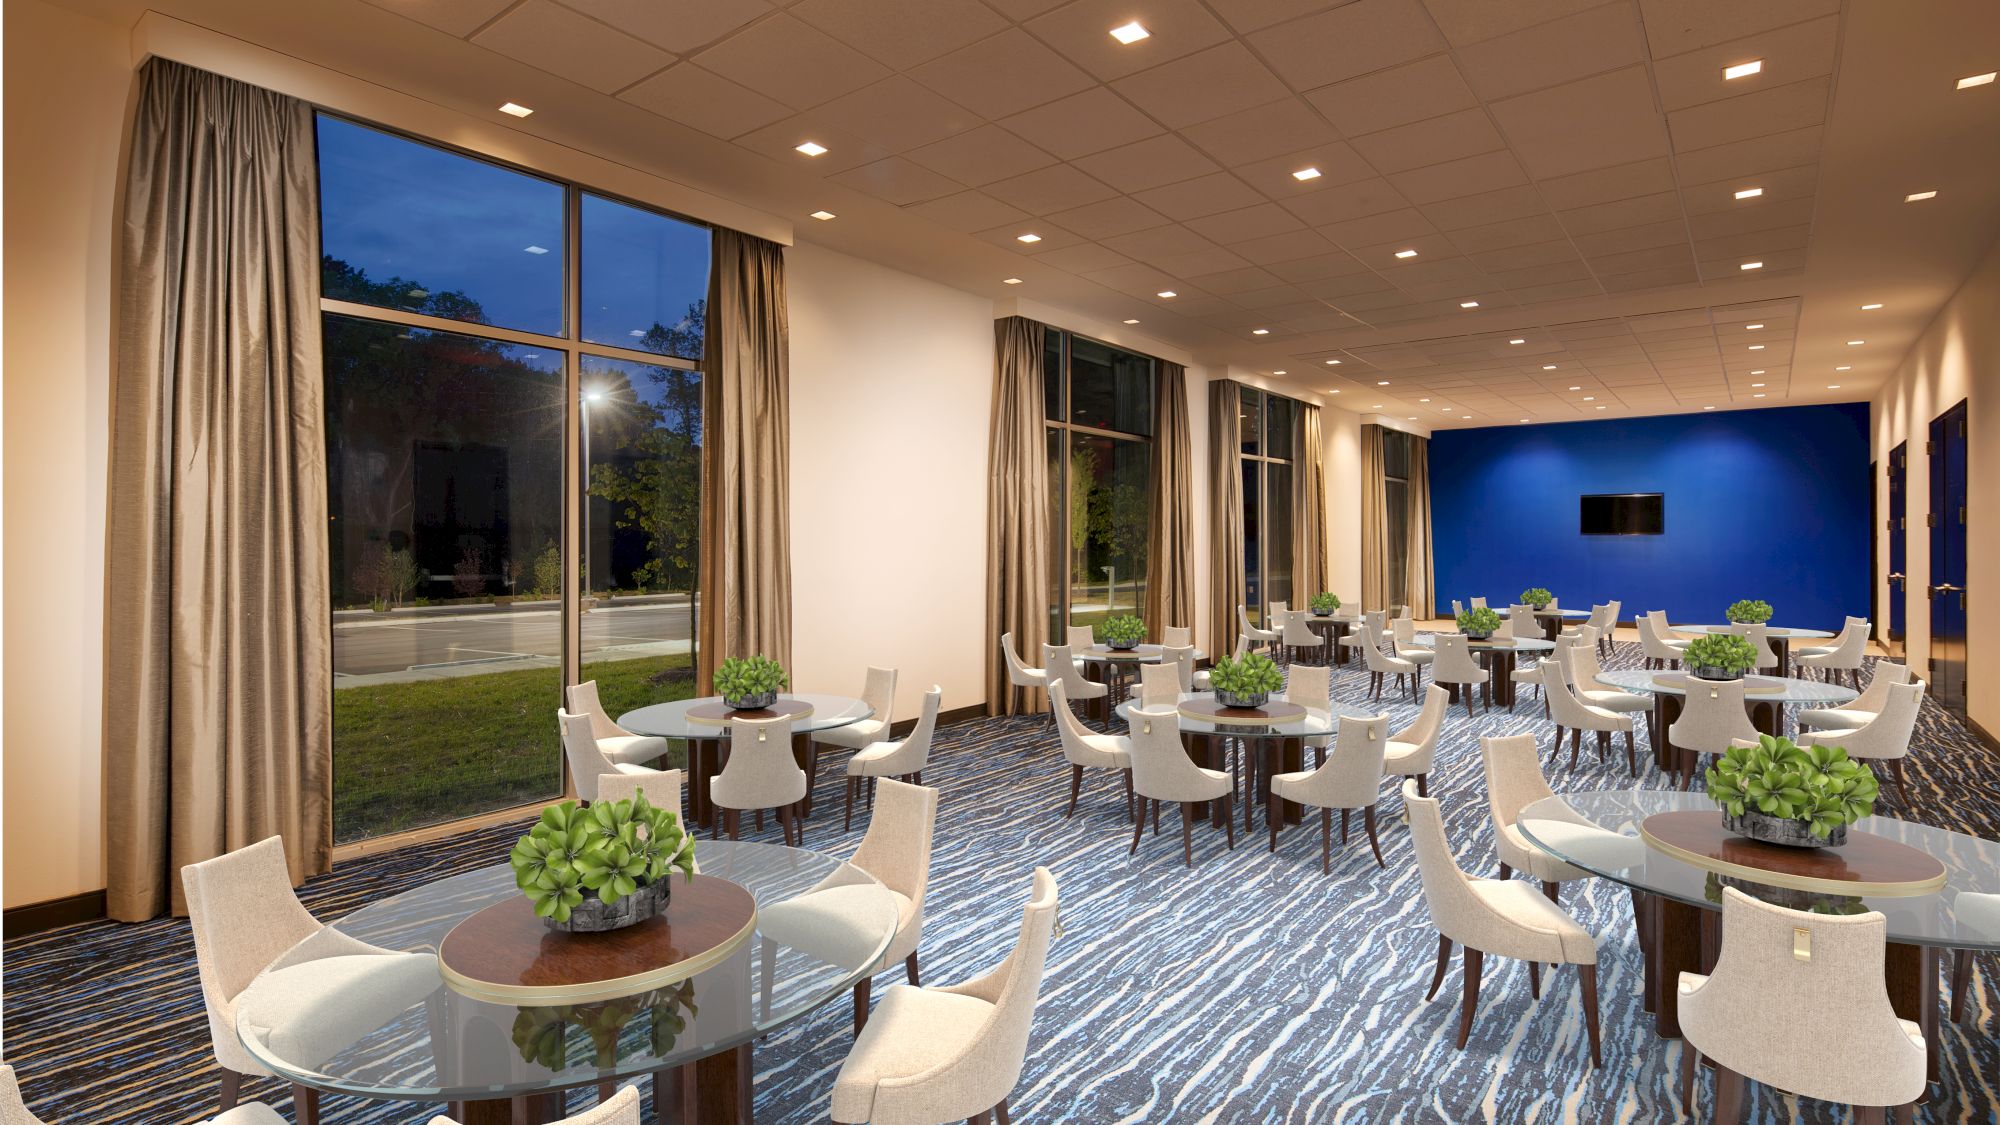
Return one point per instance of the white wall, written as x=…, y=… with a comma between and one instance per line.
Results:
x=892, y=388
x=1957, y=357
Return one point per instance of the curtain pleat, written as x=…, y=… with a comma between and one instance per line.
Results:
x=1374, y=521
x=218, y=674
x=1418, y=585
x=1308, y=508
x=745, y=604
x=1170, y=530
x=1225, y=514
x=1017, y=508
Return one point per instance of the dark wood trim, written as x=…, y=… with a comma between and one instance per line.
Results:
x=34, y=918
x=902, y=727
x=1982, y=734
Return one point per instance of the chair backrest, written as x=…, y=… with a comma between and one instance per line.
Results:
x=1176, y=636
x=1018, y=674
x=1886, y=674
x=1351, y=776
x=583, y=701
x=13, y=1108
x=1479, y=603
x=1759, y=636
x=1565, y=706
x=1712, y=718
x=1613, y=610
x=1070, y=729
x=1276, y=611
x=878, y=691
x=1060, y=663
x=243, y=915
x=661, y=787
x=622, y=1109
x=1242, y=647
x=1181, y=657
x=1375, y=620
x=1454, y=663
x=1079, y=637
x=586, y=762
x=761, y=772
x=1601, y=617
x=1297, y=632
x=1376, y=660
x=1160, y=684
x=1161, y=768
x=1514, y=777
x=896, y=849
x=1653, y=639
x=913, y=753
x=1423, y=734
x=1580, y=658
x=1309, y=685
x=1457, y=607
x=1404, y=630
x=1522, y=622
x=1002, y=1045
x=1888, y=734
x=1850, y=646
x=1779, y=960
x=1249, y=630
x=1454, y=908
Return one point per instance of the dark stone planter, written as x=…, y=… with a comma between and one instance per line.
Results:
x=591, y=916
x=1323, y=613
x=1788, y=833
x=1710, y=672
x=1486, y=636
x=1249, y=701
x=756, y=702
x=1121, y=646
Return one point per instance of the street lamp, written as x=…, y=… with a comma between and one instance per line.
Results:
x=589, y=397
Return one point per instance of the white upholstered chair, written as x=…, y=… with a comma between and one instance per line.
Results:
x=1063, y=668
x=1182, y=658
x=1266, y=637
x=1079, y=638
x=761, y=773
x=1661, y=648
x=1514, y=780
x=1607, y=644
x=1503, y=917
x=1200, y=679
x=1176, y=636
x=1457, y=607
x=621, y=1108
x=1846, y=654
x=1360, y=634
x=896, y=850
x=905, y=758
x=661, y=787
x=1311, y=686
x=936, y=1055
x=1574, y=716
x=1159, y=685
x=1019, y=675
x=1381, y=666
x=14, y=1108
x=1162, y=771
x=1479, y=603
x=1296, y=635
x=1528, y=673
x=878, y=691
x=1403, y=638
x=1522, y=624
x=586, y=761
x=1579, y=657
x=1456, y=666
x=1981, y=911
x=1779, y=960
x=1713, y=718
x=1411, y=750
x=613, y=741
x=1086, y=749
x=1861, y=708
x=1349, y=779
x=1759, y=636
x=1884, y=738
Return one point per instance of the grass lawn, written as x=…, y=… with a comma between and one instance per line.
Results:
x=407, y=755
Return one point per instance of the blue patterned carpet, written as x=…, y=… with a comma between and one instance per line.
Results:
x=1253, y=989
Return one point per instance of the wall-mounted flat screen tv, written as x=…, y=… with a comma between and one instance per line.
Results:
x=1625, y=513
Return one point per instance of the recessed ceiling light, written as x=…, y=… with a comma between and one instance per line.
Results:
x=1756, y=347
x=1132, y=322
x=1758, y=371
x=1382, y=382
x=1260, y=332
x=1468, y=304
x=515, y=110
x=1742, y=70
x=1406, y=253
x=1856, y=343
x=822, y=216
x=1130, y=33
x=1377, y=406
x=1919, y=196
x=1978, y=80
x=1010, y=281
x=1517, y=341
x=1333, y=390
x=1306, y=174
x=1750, y=193
x=1845, y=367
x=1427, y=400
x=1167, y=294
x=1833, y=386
x=1752, y=327
x=1756, y=384
x=1759, y=394
x=811, y=148
x=1590, y=398
x=1751, y=266
x=1279, y=372
x=1524, y=419
x=1548, y=367
x=1576, y=388
x=1871, y=307
x=1333, y=363
x=1708, y=408
x=1413, y=418
x=1600, y=408
x=534, y=249
x=1029, y=237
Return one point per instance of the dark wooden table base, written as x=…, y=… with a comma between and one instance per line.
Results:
x=711, y=1091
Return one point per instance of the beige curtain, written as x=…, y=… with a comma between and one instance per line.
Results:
x=1170, y=531
x=1309, y=508
x=1017, y=507
x=218, y=671
x=746, y=551
x=1374, y=521
x=1225, y=514
x=1419, y=555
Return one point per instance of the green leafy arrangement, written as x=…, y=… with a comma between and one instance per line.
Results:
x=1819, y=784
x=1537, y=596
x=1324, y=603
x=610, y=850
x=1748, y=612
x=1726, y=651
x=740, y=677
x=1122, y=629
x=541, y=1035
x=1250, y=675
x=1478, y=619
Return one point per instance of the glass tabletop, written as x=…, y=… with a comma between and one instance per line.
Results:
x=1519, y=644
x=1317, y=722
x=1963, y=914
x=670, y=720
x=1549, y=612
x=1795, y=691
x=1139, y=654
x=1774, y=633
x=388, y=1027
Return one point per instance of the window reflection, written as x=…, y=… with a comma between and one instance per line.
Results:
x=1100, y=479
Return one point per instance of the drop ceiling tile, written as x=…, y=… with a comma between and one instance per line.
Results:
x=1512, y=233
x=1486, y=208
x=1261, y=132
x=1679, y=257
x=1053, y=237
x=1160, y=242
x=1083, y=258
x=1204, y=195
x=792, y=61
x=1779, y=186
x=1249, y=15
x=1048, y=190
x=1084, y=123
x=1778, y=109
x=897, y=180
x=1023, y=9
x=1248, y=224
x=1321, y=267
x=1450, y=137
x=1150, y=163
x=1784, y=213
x=1803, y=50
x=1337, y=162
x=844, y=150
x=981, y=156
x=1281, y=249
x=1746, y=158
x=969, y=211
x=1138, y=279
x=1202, y=86
x=1117, y=215
x=1211, y=260
x=1590, y=123
x=901, y=33
x=1650, y=279
x=1514, y=280
x=1645, y=236
x=1470, y=176
x=1399, y=95
x=1347, y=41
x=1606, y=185
x=1549, y=54
x=1249, y=279
x=709, y=102
x=1389, y=226
x=458, y=18
x=550, y=37
x=1346, y=201
x=680, y=26
x=1622, y=213
x=1754, y=242
x=1002, y=75
x=1197, y=306
x=1362, y=303
x=897, y=114
x=1677, y=26
x=1082, y=31
x=1472, y=21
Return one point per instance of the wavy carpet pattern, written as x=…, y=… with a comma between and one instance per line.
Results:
x=1251, y=989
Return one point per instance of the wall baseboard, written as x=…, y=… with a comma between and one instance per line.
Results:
x=1983, y=735
x=902, y=727
x=35, y=917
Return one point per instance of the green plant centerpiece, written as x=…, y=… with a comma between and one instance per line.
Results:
x=1537, y=597
x=1246, y=682
x=605, y=867
x=1748, y=611
x=750, y=683
x=1719, y=656
x=1121, y=633
x=1478, y=622
x=1798, y=796
x=1324, y=605
x=542, y=1034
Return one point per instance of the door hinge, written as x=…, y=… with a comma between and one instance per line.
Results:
x=1928, y=446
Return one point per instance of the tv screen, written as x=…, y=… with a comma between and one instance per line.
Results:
x=1624, y=513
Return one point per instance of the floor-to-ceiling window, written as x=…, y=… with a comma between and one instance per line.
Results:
x=513, y=428
x=1100, y=435
x=1267, y=423
x=1396, y=521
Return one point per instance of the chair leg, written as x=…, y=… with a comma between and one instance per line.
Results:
x=1187, y=833
x=1690, y=1058
x=305, y=1104
x=1423, y=785
x=1138, y=830
x=1603, y=744
x=1902, y=787
x=1587, y=977
x=1631, y=754
x=1553, y=890
x=1575, y=744
x=1444, y=959
x=1728, y=1095
x=734, y=826
x=1469, y=1003
x=1129, y=814
x=1506, y=872
x=861, y=991
x=1961, y=981
x=232, y=1087
x=1325, y=841
x=794, y=831
x=1374, y=844
x=1343, y=826
x=1000, y=1113
x=1229, y=819
x=847, y=820
x=1905, y=1114
x=1535, y=979
x=1868, y=1115
x=1075, y=785
x=760, y=820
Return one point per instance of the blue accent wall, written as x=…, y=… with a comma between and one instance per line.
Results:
x=1768, y=504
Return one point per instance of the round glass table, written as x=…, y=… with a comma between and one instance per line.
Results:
x=707, y=738
x=1119, y=662
x=1551, y=619
x=1766, y=707
x=1781, y=639
x=335, y=1016
x=1679, y=903
x=1501, y=654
